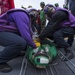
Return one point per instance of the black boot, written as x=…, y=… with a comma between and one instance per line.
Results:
x=69, y=54
x=4, y=67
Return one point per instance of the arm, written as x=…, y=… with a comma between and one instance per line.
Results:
x=23, y=23
x=26, y=34
x=58, y=17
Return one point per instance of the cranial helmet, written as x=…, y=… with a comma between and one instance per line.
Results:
x=48, y=8
x=33, y=13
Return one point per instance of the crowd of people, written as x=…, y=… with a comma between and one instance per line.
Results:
x=17, y=27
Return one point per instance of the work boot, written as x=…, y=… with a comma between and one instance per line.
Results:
x=69, y=54
x=4, y=67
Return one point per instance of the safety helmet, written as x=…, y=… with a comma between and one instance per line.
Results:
x=39, y=57
x=33, y=13
x=42, y=55
x=48, y=8
x=50, y=5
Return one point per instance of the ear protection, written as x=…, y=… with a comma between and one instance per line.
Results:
x=32, y=14
x=48, y=10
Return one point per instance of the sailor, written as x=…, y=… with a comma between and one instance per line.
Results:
x=61, y=24
x=15, y=35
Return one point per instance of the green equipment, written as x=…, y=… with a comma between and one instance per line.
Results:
x=43, y=55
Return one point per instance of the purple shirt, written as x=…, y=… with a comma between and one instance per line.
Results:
x=70, y=22
x=17, y=21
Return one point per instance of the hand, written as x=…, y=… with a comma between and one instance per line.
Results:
x=37, y=39
x=37, y=42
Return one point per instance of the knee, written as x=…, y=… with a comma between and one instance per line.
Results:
x=21, y=44
x=56, y=35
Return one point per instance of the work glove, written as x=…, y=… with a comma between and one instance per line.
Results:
x=37, y=42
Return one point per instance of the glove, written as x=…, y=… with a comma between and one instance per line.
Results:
x=37, y=42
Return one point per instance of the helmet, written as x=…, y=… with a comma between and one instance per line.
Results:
x=33, y=13
x=48, y=8
x=42, y=55
x=49, y=5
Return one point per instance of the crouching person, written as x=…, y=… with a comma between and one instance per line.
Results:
x=61, y=24
x=15, y=35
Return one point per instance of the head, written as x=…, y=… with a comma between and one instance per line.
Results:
x=33, y=14
x=42, y=4
x=56, y=5
x=49, y=9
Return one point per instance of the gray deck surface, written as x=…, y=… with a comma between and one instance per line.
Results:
x=58, y=67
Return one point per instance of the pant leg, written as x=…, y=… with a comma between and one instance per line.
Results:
x=33, y=27
x=60, y=34
x=38, y=28
x=13, y=44
x=70, y=40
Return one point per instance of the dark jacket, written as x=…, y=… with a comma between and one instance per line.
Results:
x=59, y=19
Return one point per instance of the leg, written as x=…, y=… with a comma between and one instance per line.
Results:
x=70, y=40
x=13, y=44
x=38, y=28
x=59, y=39
x=33, y=27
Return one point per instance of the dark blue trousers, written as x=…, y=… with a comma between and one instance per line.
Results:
x=12, y=43
x=59, y=36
